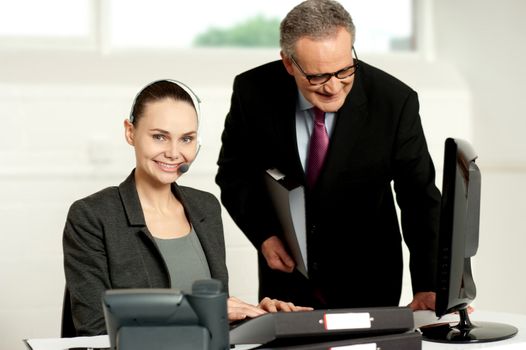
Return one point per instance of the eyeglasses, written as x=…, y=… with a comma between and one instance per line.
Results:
x=322, y=78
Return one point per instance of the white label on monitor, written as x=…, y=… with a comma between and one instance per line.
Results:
x=349, y=320
x=371, y=346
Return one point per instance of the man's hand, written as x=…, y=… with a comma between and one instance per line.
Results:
x=276, y=255
x=427, y=301
x=423, y=301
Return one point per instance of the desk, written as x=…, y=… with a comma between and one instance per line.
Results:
x=421, y=318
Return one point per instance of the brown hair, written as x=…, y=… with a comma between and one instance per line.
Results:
x=159, y=90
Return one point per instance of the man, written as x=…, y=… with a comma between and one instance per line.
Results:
x=371, y=135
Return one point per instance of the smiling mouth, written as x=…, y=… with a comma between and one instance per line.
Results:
x=166, y=166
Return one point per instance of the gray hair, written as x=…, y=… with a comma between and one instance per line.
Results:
x=317, y=19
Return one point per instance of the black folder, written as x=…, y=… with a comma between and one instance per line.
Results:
x=319, y=325
x=288, y=198
x=402, y=341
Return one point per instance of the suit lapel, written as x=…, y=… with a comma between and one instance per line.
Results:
x=285, y=129
x=350, y=121
x=132, y=205
x=130, y=201
x=197, y=219
x=195, y=215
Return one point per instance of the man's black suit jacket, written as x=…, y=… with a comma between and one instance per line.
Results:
x=353, y=235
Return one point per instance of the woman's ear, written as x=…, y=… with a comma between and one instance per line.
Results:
x=129, y=132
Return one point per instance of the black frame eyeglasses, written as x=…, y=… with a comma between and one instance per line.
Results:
x=322, y=78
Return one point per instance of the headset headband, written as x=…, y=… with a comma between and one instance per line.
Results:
x=195, y=99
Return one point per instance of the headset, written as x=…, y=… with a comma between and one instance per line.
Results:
x=183, y=168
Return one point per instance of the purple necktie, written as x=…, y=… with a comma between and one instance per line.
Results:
x=319, y=143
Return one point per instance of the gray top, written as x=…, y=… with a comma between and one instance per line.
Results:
x=185, y=260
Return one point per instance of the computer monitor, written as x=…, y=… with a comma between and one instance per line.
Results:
x=138, y=319
x=458, y=243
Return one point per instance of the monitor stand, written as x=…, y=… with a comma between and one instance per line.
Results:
x=466, y=331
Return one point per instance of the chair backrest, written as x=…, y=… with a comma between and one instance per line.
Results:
x=67, y=328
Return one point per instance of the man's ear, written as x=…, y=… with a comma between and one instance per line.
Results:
x=287, y=63
x=129, y=132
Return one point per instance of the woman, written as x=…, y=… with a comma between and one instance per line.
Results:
x=149, y=232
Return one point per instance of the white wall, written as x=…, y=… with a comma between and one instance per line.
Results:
x=485, y=41
x=62, y=138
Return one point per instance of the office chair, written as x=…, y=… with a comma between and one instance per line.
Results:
x=67, y=328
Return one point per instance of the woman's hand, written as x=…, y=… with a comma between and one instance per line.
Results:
x=274, y=305
x=239, y=310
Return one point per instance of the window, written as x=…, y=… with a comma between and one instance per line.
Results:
x=50, y=18
x=382, y=25
x=49, y=23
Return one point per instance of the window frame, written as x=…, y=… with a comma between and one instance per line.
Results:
x=98, y=39
x=91, y=42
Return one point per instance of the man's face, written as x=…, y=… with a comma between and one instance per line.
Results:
x=327, y=55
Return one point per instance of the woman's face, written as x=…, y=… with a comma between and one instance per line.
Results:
x=164, y=137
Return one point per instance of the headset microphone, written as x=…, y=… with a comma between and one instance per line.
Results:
x=183, y=168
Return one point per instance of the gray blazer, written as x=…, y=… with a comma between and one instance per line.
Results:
x=107, y=245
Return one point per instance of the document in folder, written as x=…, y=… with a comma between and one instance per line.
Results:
x=288, y=198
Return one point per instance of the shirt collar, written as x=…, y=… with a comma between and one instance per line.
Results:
x=303, y=104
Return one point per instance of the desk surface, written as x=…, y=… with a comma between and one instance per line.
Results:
x=421, y=318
